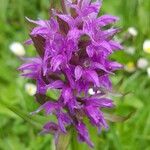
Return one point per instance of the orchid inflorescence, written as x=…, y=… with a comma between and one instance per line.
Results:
x=74, y=48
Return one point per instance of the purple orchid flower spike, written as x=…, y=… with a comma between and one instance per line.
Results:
x=74, y=49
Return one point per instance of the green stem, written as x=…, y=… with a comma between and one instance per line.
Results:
x=63, y=141
x=74, y=144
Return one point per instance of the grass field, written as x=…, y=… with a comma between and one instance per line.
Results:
x=17, y=133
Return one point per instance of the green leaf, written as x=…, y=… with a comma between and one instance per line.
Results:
x=115, y=118
x=23, y=115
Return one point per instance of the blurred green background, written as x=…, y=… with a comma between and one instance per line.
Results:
x=19, y=134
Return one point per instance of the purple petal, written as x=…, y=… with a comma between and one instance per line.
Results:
x=96, y=65
x=57, y=61
x=92, y=9
x=92, y=76
x=28, y=42
x=50, y=127
x=106, y=19
x=54, y=25
x=69, y=75
x=107, y=34
x=96, y=117
x=55, y=85
x=83, y=134
x=100, y=102
x=78, y=72
x=90, y=50
x=114, y=66
x=67, y=94
x=105, y=45
x=74, y=34
x=67, y=18
x=105, y=82
x=115, y=46
x=63, y=120
x=93, y=114
x=49, y=108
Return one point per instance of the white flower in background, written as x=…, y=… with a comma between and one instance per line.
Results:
x=30, y=89
x=130, y=50
x=130, y=67
x=91, y=91
x=132, y=31
x=148, y=72
x=146, y=46
x=142, y=63
x=17, y=48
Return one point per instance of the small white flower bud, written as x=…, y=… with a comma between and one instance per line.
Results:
x=146, y=46
x=142, y=63
x=17, y=48
x=133, y=31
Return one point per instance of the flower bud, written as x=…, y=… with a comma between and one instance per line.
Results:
x=17, y=48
